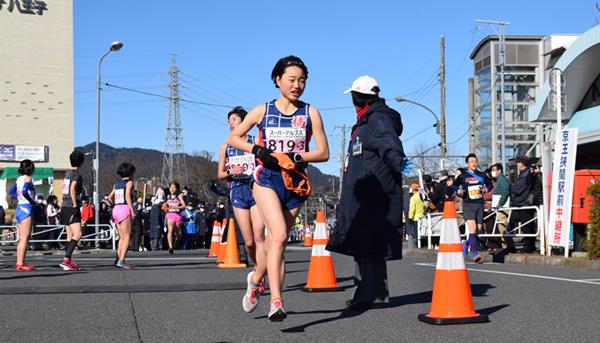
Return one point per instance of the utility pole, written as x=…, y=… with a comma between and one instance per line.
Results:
x=342, y=156
x=443, y=149
x=174, y=164
x=499, y=28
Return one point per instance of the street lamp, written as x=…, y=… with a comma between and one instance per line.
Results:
x=115, y=46
x=436, y=125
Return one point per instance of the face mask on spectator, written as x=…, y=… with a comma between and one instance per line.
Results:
x=494, y=173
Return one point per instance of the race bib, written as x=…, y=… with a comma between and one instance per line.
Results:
x=173, y=206
x=286, y=139
x=66, y=186
x=119, y=196
x=475, y=192
x=247, y=162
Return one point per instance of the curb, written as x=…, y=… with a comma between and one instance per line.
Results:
x=531, y=259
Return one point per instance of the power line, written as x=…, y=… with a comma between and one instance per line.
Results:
x=120, y=76
x=204, y=115
x=418, y=133
x=219, y=89
x=115, y=103
x=166, y=97
x=199, y=95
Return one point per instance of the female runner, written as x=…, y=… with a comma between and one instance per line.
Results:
x=123, y=211
x=285, y=125
x=24, y=192
x=176, y=204
x=237, y=166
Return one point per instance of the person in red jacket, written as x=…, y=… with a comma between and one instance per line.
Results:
x=87, y=214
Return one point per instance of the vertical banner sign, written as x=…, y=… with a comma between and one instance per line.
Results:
x=563, y=174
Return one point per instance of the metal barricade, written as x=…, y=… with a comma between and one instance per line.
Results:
x=106, y=232
x=431, y=225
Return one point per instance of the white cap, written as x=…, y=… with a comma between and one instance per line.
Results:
x=364, y=84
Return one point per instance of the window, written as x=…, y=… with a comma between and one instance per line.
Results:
x=592, y=96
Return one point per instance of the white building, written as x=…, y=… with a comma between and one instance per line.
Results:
x=36, y=85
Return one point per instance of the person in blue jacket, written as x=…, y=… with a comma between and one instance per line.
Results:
x=369, y=214
x=24, y=192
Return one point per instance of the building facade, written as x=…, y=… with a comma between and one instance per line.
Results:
x=523, y=76
x=36, y=91
x=577, y=57
x=36, y=82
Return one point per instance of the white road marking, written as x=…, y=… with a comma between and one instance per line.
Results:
x=520, y=274
x=140, y=259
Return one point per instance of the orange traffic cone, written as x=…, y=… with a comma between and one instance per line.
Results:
x=452, y=302
x=321, y=276
x=215, y=240
x=232, y=257
x=222, y=245
x=308, y=240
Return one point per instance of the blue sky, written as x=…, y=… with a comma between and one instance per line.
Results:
x=226, y=50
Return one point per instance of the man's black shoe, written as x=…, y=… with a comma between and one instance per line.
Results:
x=363, y=305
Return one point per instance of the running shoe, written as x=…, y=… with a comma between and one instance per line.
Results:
x=171, y=251
x=250, y=300
x=465, y=248
x=277, y=313
x=68, y=264
x=24, y=268
x=261, y=286
x=121, y=264
x=477, y=259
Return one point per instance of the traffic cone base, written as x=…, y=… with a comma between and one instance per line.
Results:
x=480, y=318
x=321, y=274
x=451, y=302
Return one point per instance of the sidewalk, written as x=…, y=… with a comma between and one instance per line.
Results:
x=518, y=258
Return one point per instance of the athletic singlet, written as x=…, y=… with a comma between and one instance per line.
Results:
x=236, y=157
x=120, y=188
x=30, y=190
x=173, y=202
x=474, y=185
x=71, y=176
x=285, y=133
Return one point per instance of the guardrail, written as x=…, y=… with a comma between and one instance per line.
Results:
x=106, y=232
x=431, y=225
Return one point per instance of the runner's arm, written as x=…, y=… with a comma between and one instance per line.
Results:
x=111, y=197
x=321, y=152
x=236, y=139
x=73, y=192
x=221, y=168
x=27, y=185
x=13, y=191
x=181, y=202
x=128, y=199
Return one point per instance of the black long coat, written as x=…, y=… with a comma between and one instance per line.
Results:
x=369, y=215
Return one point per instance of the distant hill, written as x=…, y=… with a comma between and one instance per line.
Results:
x=148, y=163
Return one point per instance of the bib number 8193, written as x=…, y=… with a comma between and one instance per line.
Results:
x=285, y=146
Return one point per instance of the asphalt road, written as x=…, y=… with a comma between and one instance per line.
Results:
x=185, y=298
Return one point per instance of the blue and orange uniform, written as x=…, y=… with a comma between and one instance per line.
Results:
x=24, y=193
x=240, y=192
x=284, y=134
